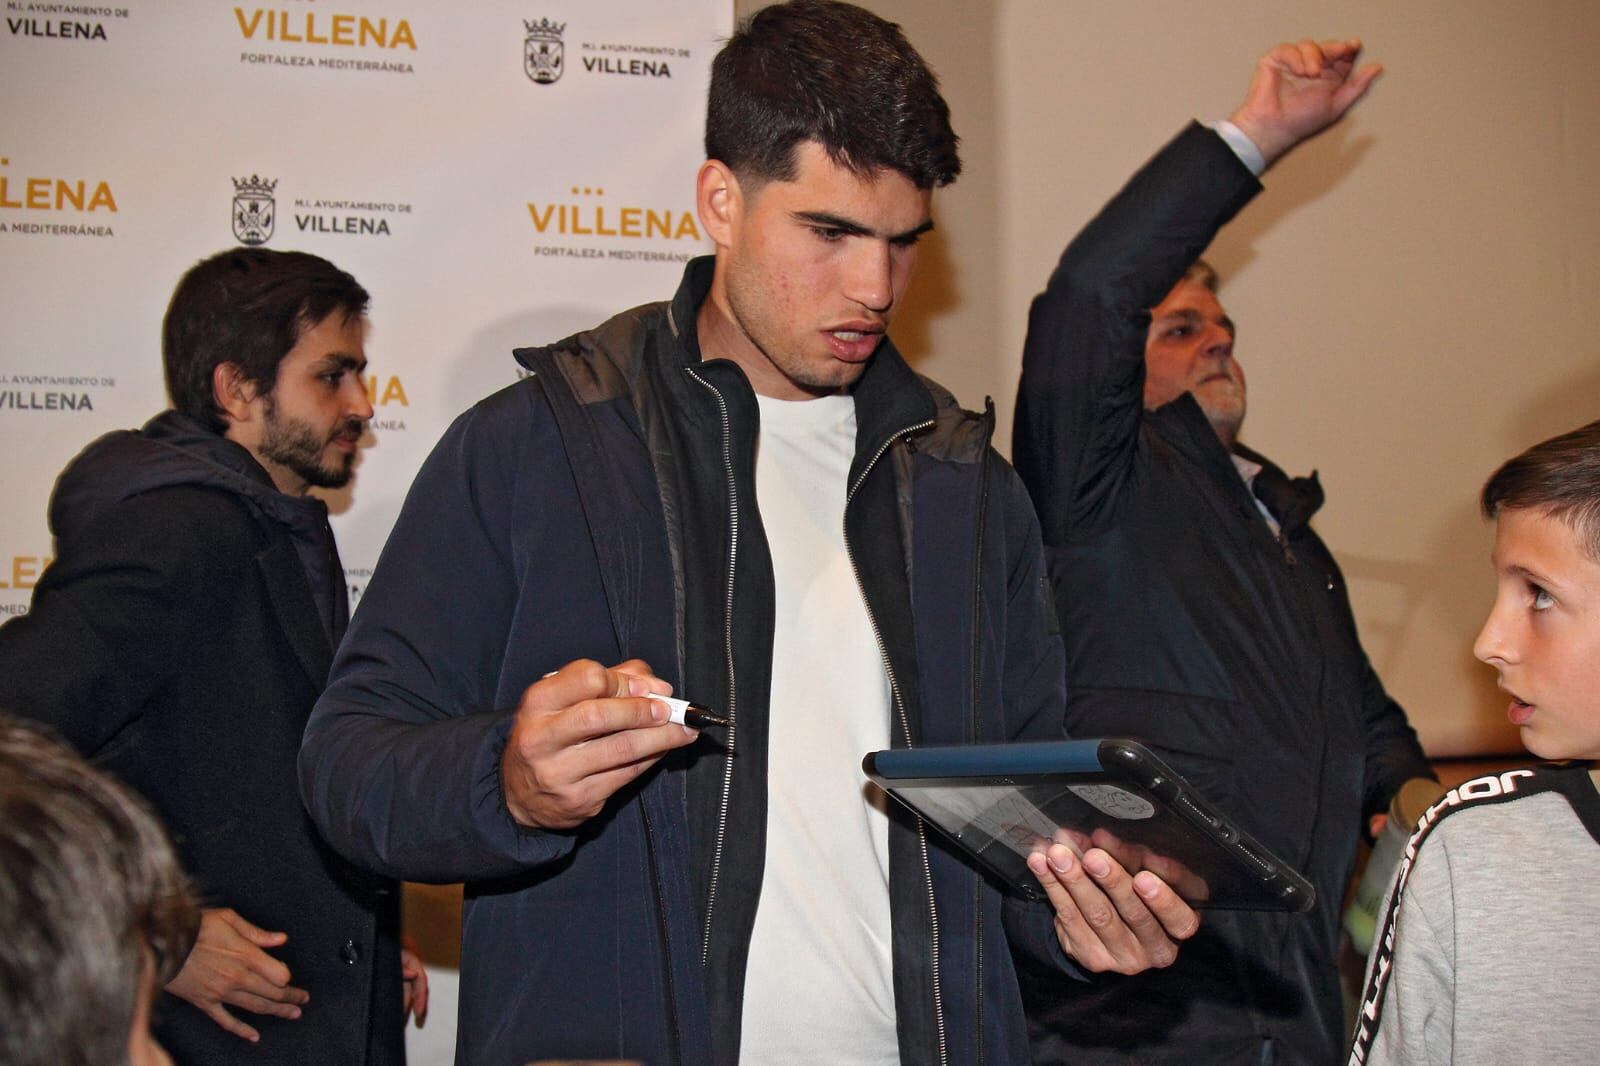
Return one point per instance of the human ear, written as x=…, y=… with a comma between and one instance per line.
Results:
x=718, y=200
x=233, y=393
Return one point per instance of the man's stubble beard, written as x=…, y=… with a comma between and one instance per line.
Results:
x=1226, y=418
x=294, y=445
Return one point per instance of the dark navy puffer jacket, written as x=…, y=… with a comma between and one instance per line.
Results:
x=605, y=508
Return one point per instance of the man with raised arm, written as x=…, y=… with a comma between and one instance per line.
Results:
x=1200, y=611
x=744, y=496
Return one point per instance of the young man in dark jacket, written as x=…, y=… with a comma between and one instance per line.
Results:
x=1199, y=609
x=183, y=633
x=748, y=490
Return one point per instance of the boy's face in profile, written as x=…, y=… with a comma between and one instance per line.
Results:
x=1543, y=634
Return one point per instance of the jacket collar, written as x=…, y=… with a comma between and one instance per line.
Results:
x=890, y=398
x=1292, y=501
x=683, y=311
x=171, y=449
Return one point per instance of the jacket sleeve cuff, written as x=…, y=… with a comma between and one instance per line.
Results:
x=1242, y=145
x=527, y=845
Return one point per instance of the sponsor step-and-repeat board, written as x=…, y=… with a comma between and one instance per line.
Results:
x=496, y=174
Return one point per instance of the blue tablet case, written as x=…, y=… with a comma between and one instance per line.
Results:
x=1000, y=802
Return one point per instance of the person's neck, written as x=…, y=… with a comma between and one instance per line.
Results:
x=1228, y=436
x=721, y=337
x=283, y=479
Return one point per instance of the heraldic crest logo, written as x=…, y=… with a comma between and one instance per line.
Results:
x=253, y=209
x=543, y=54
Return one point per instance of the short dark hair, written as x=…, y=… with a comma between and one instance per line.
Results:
x=833, y=73
x=246, y=306
x=1559, y=477
x=89, y=889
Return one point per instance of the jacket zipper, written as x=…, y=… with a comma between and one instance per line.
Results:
x=727, y=649
x=894, y=689
x=1309, y=614
x=1288, y=552
x=972, y=735
x=905, y=727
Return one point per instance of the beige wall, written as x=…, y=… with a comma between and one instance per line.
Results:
x=1414, y=290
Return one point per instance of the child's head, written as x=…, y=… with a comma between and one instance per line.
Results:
x=1543, y=633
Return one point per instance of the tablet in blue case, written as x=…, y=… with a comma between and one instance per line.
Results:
x=1001, y=802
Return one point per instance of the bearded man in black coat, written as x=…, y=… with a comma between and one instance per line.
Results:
x=186, y=628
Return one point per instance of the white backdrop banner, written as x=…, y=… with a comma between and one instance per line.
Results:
x=496, y=174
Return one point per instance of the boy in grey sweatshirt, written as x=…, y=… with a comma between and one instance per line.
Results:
x=1487, y=952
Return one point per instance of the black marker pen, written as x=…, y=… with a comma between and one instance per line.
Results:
x=693, y=715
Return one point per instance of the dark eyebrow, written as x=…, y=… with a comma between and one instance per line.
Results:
x=340, y=361
x=856, y=229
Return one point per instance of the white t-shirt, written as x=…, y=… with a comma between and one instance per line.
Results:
x=819, y=986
